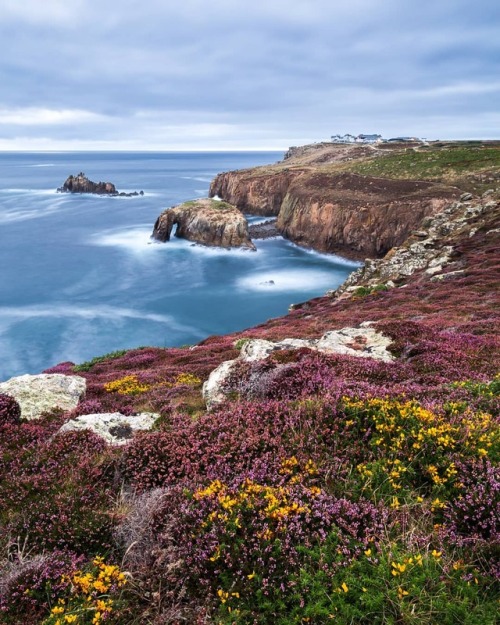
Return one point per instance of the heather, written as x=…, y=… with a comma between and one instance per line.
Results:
x=326, y=488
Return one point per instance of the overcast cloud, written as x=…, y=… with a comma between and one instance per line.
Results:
x=253, y=74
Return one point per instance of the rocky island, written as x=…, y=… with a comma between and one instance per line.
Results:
x=81, y=184
x=338, y=464
x=206, y=221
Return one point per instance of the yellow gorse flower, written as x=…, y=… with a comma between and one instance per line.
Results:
x=128, y=385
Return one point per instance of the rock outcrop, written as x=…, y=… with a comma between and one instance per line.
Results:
x=37, y=394
x=81, y=184
x=114, y=427
x=429, y=249
x=362, y=342
x=205, y=221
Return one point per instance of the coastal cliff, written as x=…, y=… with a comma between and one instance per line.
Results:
x=355, y=215
x=205, y=221
x=356, y=200
x=252, y=192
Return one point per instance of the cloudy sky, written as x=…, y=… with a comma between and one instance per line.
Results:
x=244, y=74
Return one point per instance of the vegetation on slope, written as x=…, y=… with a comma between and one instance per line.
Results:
x=327, y=489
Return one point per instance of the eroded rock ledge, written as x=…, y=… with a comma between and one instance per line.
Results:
x=206, y=221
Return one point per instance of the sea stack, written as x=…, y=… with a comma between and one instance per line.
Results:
x=206, y=221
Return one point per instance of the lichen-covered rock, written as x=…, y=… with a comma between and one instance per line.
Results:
x=37, y=394
x=205, y=221
x=10, y=412
x=362, y=342
x=114, y=427
x=212, y=388
x=258, y=349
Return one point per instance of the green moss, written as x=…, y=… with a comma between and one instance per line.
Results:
x=363, y=291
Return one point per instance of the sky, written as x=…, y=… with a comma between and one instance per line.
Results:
x=244, y=74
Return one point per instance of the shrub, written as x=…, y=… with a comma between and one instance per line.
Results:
x=91, y=597
x=29, y=587
x=10, y=411
x=87, y=365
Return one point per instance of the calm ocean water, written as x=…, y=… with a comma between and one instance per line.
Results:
x=79, y=276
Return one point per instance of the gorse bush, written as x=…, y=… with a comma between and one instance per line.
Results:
x=91, y=597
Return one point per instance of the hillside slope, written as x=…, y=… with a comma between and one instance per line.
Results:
x=326, y=488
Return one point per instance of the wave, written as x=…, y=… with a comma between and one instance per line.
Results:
x=11, y=215
x=29, y=191
x=333, y=258
x=198, y=178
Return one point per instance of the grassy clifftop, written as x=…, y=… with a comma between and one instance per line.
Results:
x=473, y=168
x=472, y=165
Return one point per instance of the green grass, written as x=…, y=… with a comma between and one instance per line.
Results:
x=442, y=164
x=219, y=205
x=87, y=365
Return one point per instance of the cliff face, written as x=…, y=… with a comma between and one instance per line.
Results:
x=356, y=215
x=345, y=213
x=254, y=192
x=205, y=221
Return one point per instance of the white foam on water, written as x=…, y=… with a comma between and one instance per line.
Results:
x=333, y=258
x=198, y=178
x=10, y=215
x=286, y=280
x=136, y=239
x=15, y=314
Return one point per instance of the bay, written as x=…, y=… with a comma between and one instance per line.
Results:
x=80, y=277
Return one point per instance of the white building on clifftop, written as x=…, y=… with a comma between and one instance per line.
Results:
x=359, y=139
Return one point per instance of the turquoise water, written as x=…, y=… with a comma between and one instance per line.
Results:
x=79, y=275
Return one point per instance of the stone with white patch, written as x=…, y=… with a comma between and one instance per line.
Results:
x=114, y=427
x=37, y=394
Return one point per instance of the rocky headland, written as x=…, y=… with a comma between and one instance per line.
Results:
x=205, y=221
x=358, y=200
x=337, y=464
x=81, y=184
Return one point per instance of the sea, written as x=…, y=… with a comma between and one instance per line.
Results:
x=81, y=277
